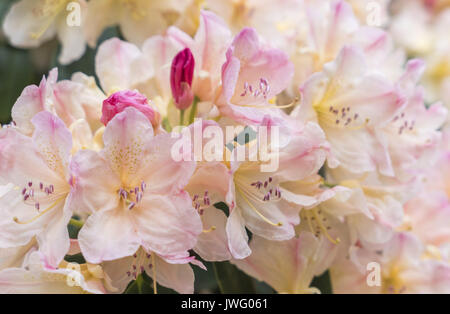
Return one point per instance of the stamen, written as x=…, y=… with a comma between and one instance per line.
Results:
x=342, y=117
x=268, y=189
x=154, y=274
x=138, y=197
x=324, y=229
x=41, y=213
x=262, y=90
x=209, y=230
x=279, y=224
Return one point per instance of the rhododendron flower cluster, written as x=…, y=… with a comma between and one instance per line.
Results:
x=287, y=138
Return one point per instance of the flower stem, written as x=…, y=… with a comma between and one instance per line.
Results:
x=193, y=112
x=76, y=223
x=181, y=117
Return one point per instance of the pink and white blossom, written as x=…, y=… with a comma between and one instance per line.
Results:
x=134, y=185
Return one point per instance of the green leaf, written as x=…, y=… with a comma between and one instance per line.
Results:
x=4, y=8
x=262, y=288
x=17, y=72
x=223, y=207
x=323, y=283
x=205, y=281
x=77, y=258
x=144, y=285
x=232, y=280
x=74, y=227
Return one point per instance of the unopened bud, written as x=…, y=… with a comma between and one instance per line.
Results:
x=181, y=75
x=118, y=101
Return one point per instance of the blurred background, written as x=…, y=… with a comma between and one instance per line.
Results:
x=22, y=67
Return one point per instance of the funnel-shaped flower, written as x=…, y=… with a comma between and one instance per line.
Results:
x=181, y=75
x=133, y=185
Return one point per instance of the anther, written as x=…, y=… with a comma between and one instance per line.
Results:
x=138, y=197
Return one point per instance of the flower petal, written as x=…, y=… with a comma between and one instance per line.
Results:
x=100, y=240
x=168, y=226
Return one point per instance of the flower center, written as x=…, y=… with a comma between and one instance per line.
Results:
x=260, y=92
x=392, y=282
x=258, y=192
x=39, y=195
x=132, y=197
x=143, y=262
x=340, y=117
x=201, y=203
x=318, y=223
x=402, y=124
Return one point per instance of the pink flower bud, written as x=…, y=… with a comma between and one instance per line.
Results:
x=118, y=101
x=181, y=75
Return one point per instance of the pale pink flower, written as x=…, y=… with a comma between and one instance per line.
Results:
x=37, y=206
x=352, y=103
x=413, y=133
x=133, y=185
x=209, y=47
x=412, y=16
x=123, y=66
x=428, y=213
x=371, y=12
x=259, y=201
x=366, y=212
x=212, y=243
x=37, y=276
x=325, y=27
x=404, y=264
x=428, y=217
x=70, y=100
x=30, y=23
x=316, y=214
x=14, y=257
x=113, y=65
x=175, y=274
x=139, y=19
x=251, y=76
x=289, y=266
